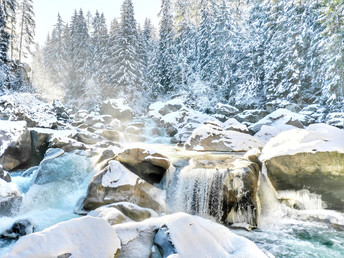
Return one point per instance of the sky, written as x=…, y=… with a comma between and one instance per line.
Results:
x=46, y=12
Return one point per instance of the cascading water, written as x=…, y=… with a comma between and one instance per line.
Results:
x=198, y=192
x=49, y=191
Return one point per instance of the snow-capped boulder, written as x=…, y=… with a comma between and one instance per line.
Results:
x=182, y=235
x=278, y=104
x=147, y=164
x=81, y=237
x=232, y=124
x=311, y=158
x=282, y=119
x=222, y=187
x=178, y=120
x=10, y=198
x=335, y=119
x=25, y=106
x=117, y=108
x=112, y=135
x=251, y=116
x=4, y=175
x=88, y=137
x=267, y=132
x=118, y=184
x=60, y=110
x=75, y=167
x=15, y=140
x=122, y=212
x=21, y=227
x=226, y=110
x=211, y=137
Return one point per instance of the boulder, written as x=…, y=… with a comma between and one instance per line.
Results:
x=211, y=137
x=15, y=140
x=61, y=112
x=10, y=198
x=88, y=138
x=147, y=164
x=277, y=104
x=232, y=124
x=118, y=184
x=226, y=110
x=251, y=116
x=174, y=236
x=19, y=228
x=80, y=237
x=282, y=119
x=112, y=135
x=4, y=175
x=311, y=158
x=224, y=187
x=26, y=107
x=267, y=132
x=122, y=212
x=117, y=108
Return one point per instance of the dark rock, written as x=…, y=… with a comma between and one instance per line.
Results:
x=4, y=175
x=19, y=228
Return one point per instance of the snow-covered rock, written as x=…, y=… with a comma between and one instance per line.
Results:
x=226, y=110
x=277, y=104
x=21, y=227
x=122, y=212
x=117, y=108
x=15, y=144
x=118, y=184
x=147, y=164
x=267, y=132
x=251, y=116
x=280, y=119
x=4, y=175
x=212, y=137
x=25, y=106
x=182, y=235
x=10, y=198
x=178, y=120
x=311, y=158
x=81, y=237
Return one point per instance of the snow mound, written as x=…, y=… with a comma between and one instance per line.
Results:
x=81, y=237
x=315, y=138
x=191, y=236
x=25, y=106
x=119, y=175
x=11, y=132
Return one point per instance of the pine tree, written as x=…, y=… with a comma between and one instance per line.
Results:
x=128, y=82
x=26, y=28
x=167, y=51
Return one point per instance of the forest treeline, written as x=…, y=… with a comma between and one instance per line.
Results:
x=245, y=53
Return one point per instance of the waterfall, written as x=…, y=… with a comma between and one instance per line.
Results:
x=303, y=199
x=197, y=191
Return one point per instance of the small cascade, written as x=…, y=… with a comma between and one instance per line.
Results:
x=302, y=200
x=197, y=191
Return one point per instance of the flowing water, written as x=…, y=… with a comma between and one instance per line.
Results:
x=291, y=224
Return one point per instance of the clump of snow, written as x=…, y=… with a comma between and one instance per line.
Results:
x=266, y=132
x=11, y=131
x=25, y=106
x=81, y=237
x=191, y=236
x=315, y=138
x=118, y=175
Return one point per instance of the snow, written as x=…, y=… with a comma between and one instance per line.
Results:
x=19, y=106
x=191, y=236
x=81, y=237
x=278, y=119
x=233, y=124
x=10, y=131
x=266, y=132
x=8, y=189
x=118, y=175
x=232, y=140
x=315, y=138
